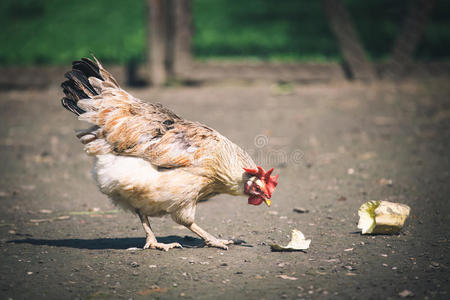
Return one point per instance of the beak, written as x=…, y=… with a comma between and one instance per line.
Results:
x=266, y=196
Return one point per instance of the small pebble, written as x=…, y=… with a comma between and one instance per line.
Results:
x=435, y=264
x=301, y=210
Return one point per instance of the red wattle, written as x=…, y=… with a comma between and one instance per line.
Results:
x=255, y=200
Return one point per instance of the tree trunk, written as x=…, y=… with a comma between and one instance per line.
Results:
x=409, y=37
x=352, y=50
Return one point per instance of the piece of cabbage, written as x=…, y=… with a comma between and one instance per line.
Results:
x=382, y=217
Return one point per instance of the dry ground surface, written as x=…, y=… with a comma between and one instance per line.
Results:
x=335, y=147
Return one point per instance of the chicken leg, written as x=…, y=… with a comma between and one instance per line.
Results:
x=151, y=241
x=209, y=239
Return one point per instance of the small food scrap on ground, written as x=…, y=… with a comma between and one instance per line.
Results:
x=341, y=199
x=406, y=294
x=95, y=211
x=153, y=289
x=60, y=218
x=384, y=181
x=283, y=276
x=297, y=243
x=382, y=217
x=133, y=249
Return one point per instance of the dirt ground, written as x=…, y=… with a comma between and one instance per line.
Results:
x=335, y=146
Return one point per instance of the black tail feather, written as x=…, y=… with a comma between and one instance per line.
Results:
x=81, y=81
x=77, y=86
x=71, y=105
x=87, y=67
x=72, y=92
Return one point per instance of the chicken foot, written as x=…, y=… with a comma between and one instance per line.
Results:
x=209, y=239
x=151, y=241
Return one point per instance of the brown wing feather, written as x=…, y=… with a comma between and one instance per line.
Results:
x=125, y=125
x=129, y=126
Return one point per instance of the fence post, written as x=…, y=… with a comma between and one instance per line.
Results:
x=182, y=57
x=409, y=37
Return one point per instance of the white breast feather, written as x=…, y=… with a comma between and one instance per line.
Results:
x=134, y=183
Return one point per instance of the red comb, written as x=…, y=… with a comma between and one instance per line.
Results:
x=270, y=181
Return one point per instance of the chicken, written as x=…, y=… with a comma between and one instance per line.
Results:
x=151, y=161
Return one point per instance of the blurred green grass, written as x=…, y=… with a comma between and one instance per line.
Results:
x=57, y=32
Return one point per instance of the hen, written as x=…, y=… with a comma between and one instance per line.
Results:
x=151, y=161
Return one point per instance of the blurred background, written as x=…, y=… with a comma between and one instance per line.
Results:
x=197, y=40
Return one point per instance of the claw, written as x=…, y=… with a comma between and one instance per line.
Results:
x=161, y=246
x=221, y=244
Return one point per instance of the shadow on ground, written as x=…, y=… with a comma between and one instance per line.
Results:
x=109, y=243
